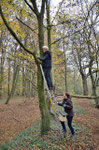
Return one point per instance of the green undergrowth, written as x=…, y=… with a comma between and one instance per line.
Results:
x=93, y=103
x=13, y=98
x=78, y=110
x=30, y=138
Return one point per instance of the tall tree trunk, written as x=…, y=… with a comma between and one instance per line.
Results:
x=1, y=77
x=94, y=88
x=45, y=119
x=65, y=67
x=48, y=24
x=93, y=83
x=9, y=70
x=28, y=85
x=83, y=75
x=1, y=64
x=32, y=87
x=49, y=42
x=15, y=78
x=45, y=124
x=23, y=81
x=74, y=81
x=85, y=86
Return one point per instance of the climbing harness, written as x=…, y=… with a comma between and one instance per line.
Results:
x=51, y=98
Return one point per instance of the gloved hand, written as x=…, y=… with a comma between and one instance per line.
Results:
x=56, y=102
x=64, y=105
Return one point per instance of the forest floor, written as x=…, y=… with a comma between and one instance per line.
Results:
x=18, y=117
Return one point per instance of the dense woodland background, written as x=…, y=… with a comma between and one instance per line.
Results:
x=74, y=46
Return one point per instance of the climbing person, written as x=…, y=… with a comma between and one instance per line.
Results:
x=68, y=108
x=47, y=65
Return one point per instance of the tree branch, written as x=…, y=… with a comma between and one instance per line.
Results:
x=57, y=11
x=42, y=7
x=86, y=19
x=35, y=10
x=67, y=36
x=95, y=71
x=26, y=25
x=15, y=36
x=29, y=5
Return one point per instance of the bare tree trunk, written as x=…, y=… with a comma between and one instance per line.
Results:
x=1, y=64
x=15, y=78
x=93, y=85
x=9, y=70
x=32, y=87
x=85, y=87
x=1, y=77
x=23, y=81
x=74, y=83
x=65, y=67
x=48, y=24
x=45, y=119
x=49, y=41
x=28, y=85
x=45, y=124
x=92, y=78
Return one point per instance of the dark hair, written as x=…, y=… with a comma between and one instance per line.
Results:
x=68, y=95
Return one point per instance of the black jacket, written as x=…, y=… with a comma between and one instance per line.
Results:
x=68, y=108
x=46, y=60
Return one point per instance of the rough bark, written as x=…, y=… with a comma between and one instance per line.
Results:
x=65, y=67
x=83, y=75
x=23, y=81
x=28, y=85
x=32, y=87
x=9, y=70
x=1, y=65
x=45, y=125
x=49, y=42
x=15, y=77
x=48, y=24
x=93, y=83
x=85, y=87
x=45, y=119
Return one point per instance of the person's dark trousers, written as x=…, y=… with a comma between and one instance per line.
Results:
x=69, y=122
x=63, y=125
x=48, y=77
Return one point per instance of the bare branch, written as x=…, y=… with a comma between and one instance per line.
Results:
x=26, y=25
x=57, y=12
x=35, y=10
x=67, y=36
x=29, y=5
x=42, y=7
x=90, y=11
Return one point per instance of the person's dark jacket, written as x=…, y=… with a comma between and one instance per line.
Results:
x=68, y=106
x=46, y=60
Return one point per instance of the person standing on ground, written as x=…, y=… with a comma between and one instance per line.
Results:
x=68, y=108
x=47, y=65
